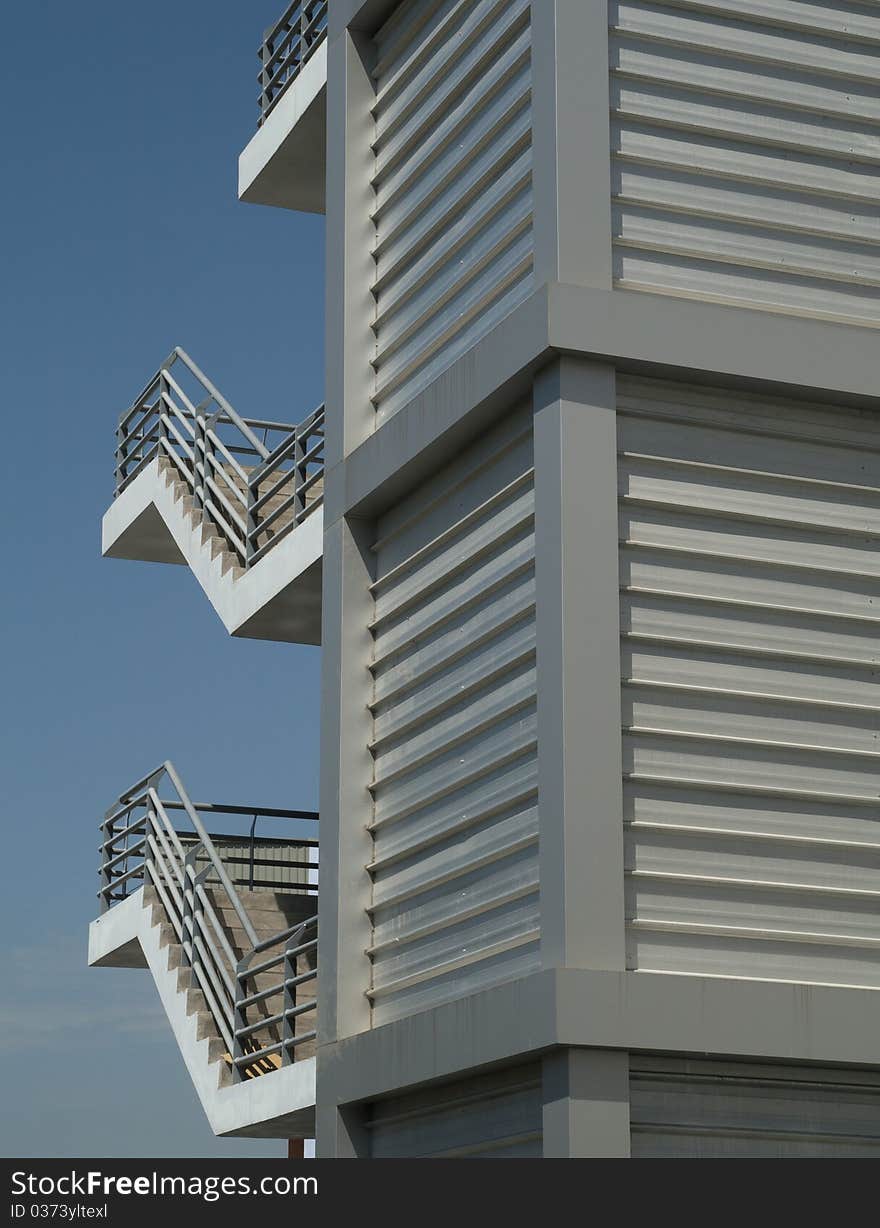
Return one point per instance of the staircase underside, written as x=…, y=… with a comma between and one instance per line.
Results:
x=277, y=599
x=276, y=1105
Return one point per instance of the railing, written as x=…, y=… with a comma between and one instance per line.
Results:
x=262, y=1024
x=252, y=479
x=286, y=47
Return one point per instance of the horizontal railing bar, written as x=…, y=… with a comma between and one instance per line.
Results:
x=140, y=785
x=141, y=465
x=133, y=851
x=271, y=1021
x=301, y=926
x=273, y=541
x=122, y=878
x=279, y=511
x=268, y=964
x=137, y=826
x=260, y=503
x=250, y=1059
x=266, y=812
x=273, y=990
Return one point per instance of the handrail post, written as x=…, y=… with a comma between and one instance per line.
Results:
x=188, y=896
x=198, y=449
x=239, y=1017
x=251, y=856
x=198, y=928
x=107, y=829
x=253, y=493
x=161, y=396
x=288, y=1023
x=299, y=474
x=150, y=822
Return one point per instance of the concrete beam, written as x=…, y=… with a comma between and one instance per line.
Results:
x=648, y=334
x=582, y=1008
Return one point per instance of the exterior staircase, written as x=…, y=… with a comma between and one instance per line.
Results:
x=237, y=500
x=232, y=949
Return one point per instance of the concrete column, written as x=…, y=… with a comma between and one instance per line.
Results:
x=340, y=1133
x=586, y=1104
x=578, y=663
x=346, y=771
x=350, y=307
x=571, y=142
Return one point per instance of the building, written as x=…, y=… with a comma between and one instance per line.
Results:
x=588, y=533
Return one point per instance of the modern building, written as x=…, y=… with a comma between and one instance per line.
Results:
x=588, y=533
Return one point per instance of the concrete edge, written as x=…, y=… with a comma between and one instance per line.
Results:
x=277, y=1105
x=236, y=602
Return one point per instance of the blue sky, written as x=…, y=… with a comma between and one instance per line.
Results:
x=121, y=236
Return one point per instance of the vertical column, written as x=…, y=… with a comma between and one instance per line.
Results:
x=350, y=234
x=346, y=772
x=578, y=664
x=586, y=1104
x=340, y=1134
x=571, y=142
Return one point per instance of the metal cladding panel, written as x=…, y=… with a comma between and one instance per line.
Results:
x=495, y=1116
x=746, y=152
x=455, y=828
x=452, y=181
x=694, y=1108
x=750, y=608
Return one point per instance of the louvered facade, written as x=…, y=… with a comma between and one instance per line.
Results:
x=750, y=580
x=702, y=1109
x=601, y=598
x=488, y=1117
x=452, y=182
x=746, y=153
x=455, y=824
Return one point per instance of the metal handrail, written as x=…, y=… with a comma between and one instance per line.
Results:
x=252, y=505
x=287, y=46
x=141, y=847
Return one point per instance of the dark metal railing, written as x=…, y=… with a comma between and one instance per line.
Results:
x=254, y=480
x=197, y=878
x=286, y=47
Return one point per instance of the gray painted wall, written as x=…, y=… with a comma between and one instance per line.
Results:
x=452, y=182
x=746, y=143
x=703, y=1109
x=455, y=828
x=714, y=781
x=750, y=704
x=495, y=1116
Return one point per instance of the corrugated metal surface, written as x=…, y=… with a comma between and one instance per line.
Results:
x=455, y=871
x=746, y=152
x=495, y=1116
x=714, y=1109
x=750, y=606
x=453, y=186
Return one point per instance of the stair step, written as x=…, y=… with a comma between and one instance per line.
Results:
x=206, y=1028
x=195, y=1001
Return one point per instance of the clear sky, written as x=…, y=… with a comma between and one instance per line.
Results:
x=121, y=236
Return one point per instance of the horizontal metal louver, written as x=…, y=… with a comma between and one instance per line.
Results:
x=750, y=613
x=452, y=181
x=746, y=152
x=495, y=1116
x=455, y=867
x=716, y=1109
